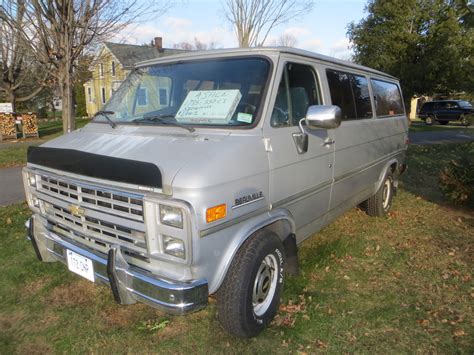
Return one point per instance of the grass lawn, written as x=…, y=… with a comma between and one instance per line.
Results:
x=15, y=153
x=401, y=284
x=418, y=125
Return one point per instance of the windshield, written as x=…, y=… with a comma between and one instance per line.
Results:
x=465, y=104
x=226, y=92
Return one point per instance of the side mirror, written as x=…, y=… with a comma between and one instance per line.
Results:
x=323, y=116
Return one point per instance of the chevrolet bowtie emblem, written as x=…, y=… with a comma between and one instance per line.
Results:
x=76, y=211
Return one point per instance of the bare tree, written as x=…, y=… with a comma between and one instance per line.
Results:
x=254, y=19
x=286, y=40
x=196, y=46
x=61, y=30
x=21, y=77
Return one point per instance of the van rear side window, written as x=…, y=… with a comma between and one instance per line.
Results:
x=388, y=100
x=351, y=93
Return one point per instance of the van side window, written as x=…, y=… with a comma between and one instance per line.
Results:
x=351, y=93
x=297, y=91
x=388, y=100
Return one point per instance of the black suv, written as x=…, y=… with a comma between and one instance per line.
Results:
x=445, y=111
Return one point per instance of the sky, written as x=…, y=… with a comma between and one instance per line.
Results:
x=323, y=30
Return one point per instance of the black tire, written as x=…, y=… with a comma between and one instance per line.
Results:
x=465, y=120
x=429, y=120
x=379, y=204
x=443, y=122
x=241, y=310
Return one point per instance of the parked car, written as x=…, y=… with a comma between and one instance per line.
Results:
x=444, y=111
x=206, y=169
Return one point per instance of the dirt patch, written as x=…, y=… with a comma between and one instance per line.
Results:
x=81, y=292
x=122, y=316
x=8, y=321
x=35, y=346
x=33, y=287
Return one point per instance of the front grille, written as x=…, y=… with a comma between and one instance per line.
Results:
x=95, y=233
x=117, y=203
x=94, y=216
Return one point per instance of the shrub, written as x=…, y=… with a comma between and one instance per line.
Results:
x=457, y=180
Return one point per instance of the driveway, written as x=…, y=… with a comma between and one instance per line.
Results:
x=439, y=137
x=11, y=186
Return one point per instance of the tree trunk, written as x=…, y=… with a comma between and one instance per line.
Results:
x=67, y=93
x=53, y=108
x=12, y=99
x=69, y=122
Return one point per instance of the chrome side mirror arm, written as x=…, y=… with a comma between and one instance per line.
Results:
x=301, y=139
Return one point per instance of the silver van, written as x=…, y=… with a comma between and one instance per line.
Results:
x=205, y=171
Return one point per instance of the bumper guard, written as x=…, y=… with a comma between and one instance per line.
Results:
x=128, y=283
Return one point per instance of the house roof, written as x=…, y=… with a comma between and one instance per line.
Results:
x=129, y=54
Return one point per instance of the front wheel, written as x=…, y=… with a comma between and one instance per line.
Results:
x=379, y=204
x=249, y=297
x=429, y=120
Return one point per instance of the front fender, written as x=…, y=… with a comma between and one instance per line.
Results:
x=221, y=246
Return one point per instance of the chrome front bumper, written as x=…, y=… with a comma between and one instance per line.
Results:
x=128, y=284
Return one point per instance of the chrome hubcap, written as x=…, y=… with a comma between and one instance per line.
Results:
x=386, y=194
x=265, y=285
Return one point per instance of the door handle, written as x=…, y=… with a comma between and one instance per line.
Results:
x=328, y=142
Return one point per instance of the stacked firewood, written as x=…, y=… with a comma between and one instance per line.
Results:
x=29, y=125
x=7, y=126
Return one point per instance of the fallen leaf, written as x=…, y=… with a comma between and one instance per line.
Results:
x=459, y=333
x=9, y=220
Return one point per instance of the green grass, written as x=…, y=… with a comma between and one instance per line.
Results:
x=401, y=284
x=420, y=126
x=15, y=153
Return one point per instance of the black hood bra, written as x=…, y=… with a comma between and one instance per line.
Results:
x=97, y=166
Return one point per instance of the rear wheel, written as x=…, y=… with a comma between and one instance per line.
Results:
x=429, y=120
x=465, y=120
x=379, y=204
x=250, y=295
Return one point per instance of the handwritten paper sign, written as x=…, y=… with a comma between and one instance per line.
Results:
x=209, y=106
x=6, y=107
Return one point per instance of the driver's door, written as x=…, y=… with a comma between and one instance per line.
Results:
x=300, y=181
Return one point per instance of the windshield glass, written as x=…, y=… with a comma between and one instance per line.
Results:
x=465, y=104
x=226, y=92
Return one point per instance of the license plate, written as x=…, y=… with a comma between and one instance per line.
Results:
x=80, y=265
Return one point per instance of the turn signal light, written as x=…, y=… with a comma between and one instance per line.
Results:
x=216, y=212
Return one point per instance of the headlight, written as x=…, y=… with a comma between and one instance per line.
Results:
x=174, y=246
x=171, y=216
x=31, y=179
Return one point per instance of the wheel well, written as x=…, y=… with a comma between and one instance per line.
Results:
x=393, y=167
x=283, y=229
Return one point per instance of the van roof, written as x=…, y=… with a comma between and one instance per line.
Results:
x=263, y=51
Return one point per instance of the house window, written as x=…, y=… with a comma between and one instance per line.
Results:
x=113, y=68
x=163, y=97
x=101, y=70
x=89, y=94
x=103, y=95
x=142, y=97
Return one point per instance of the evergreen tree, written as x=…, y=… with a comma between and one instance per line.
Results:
x=427, y=44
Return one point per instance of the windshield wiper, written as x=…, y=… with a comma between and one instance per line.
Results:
x=165, y=119
x=106, y=115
